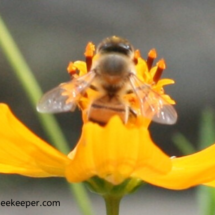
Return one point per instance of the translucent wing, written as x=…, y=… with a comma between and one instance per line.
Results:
x=64, y=97
x=152, y=105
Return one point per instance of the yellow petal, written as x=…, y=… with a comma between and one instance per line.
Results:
x=81, y=66
x=24, y=153
x=211, y=183
x=187, y=171
x=165, y=81
x=142, y=70
x=114, y=153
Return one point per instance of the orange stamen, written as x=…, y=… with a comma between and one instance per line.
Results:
x=89, y=53
x=71, y=69
x=151, y=56
x=136, y=56
x=161, y=65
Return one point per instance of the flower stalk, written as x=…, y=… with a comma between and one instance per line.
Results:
x=112, y=194
x=112, y=204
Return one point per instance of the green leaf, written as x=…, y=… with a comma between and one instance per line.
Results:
x=207, y=129
x=183, y=144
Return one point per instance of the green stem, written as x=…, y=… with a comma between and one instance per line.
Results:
x=82, y=198
x=34, y=92
x=112, y=204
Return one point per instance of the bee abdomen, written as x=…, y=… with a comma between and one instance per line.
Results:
x=100, y=111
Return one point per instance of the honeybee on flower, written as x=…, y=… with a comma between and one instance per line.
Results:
x=116, y=158
x=117, y=90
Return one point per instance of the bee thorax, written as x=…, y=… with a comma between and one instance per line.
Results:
x=113, y=65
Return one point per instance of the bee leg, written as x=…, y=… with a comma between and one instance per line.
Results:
x=126, y=114
x=132, y=112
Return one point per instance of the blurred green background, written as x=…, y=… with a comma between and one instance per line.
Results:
x=52, y=33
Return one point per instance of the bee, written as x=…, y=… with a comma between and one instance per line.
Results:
x=113, y=76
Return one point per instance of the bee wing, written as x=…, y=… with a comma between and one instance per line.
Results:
x=64, y=97
x=153, y=106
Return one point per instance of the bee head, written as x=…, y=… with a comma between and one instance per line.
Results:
x=115, y=44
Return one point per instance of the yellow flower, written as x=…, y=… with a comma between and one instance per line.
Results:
x=114, y=153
